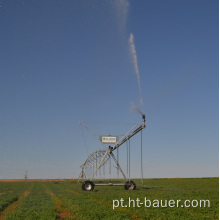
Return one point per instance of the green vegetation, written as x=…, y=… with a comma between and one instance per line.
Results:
x=66, y=200
x=36, y=205
x=10, y=192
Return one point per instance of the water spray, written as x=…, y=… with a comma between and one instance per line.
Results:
x=133, y=106
x=134, y=58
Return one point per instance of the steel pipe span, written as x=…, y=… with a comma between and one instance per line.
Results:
x=95, y=158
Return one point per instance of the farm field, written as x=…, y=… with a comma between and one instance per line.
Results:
x=66, y=200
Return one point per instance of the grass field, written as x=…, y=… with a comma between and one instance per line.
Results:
x=66, y=200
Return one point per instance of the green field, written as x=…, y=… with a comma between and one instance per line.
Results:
x=159, y=199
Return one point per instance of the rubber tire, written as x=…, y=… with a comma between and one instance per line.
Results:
x=88, y=185
x=130, y=185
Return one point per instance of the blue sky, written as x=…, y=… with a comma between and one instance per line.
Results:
x=65, y=61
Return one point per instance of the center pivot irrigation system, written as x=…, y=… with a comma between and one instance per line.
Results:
x=99, y=158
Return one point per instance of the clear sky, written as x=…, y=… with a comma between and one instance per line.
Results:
x=65, y=61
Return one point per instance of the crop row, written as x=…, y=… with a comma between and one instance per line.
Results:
x=10, y=192
x=99, y=203
x=81, y=206
x=54, y=200
x=37, y=205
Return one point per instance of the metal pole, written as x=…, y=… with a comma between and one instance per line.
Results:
x=127, y=156
x=106, y=153
x=129, y=159
x=141, y=161
x=104, y=170
x=93, y=165
x=96, y=164
x=110, y=169
x=118, y=165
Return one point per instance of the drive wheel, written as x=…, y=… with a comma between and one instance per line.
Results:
x=88, y=185
x=130, y=185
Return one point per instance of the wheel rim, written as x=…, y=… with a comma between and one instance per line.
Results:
x=131, y=187
x=88, y=187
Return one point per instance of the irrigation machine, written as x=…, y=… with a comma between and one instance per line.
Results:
x=98, y=159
